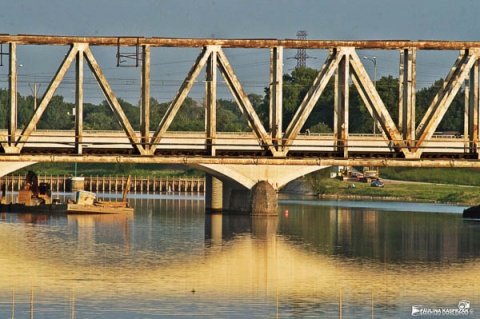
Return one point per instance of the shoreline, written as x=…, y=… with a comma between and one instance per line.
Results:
x=300, y=188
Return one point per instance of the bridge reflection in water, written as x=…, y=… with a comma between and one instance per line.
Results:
x=170, y=258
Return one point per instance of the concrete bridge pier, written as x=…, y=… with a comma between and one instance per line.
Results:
x=264, y=200
x=228, y=197
x=213, y=194
x=248, y=189
x=224, y=196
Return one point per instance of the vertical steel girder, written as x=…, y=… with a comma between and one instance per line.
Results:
x=12, y=81
x=79, y=101
x=145, y=99
x=276, y=96
x=471, y=130
x=407, y=86
x=211, y=102
x=340, y=115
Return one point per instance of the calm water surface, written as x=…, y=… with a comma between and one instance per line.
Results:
x=318, y=259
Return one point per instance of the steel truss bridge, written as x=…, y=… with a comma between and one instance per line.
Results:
x=405, y=143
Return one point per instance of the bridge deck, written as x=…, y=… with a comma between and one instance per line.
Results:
x=361, y=147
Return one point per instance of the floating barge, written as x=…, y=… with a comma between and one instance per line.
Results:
x=86, y=203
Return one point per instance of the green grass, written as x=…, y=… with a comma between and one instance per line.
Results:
x=438, y=193
x=457, y=176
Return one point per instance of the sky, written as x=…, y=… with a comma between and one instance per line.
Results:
x=280, y=19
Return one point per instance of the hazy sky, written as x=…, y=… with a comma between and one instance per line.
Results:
x=322, y=19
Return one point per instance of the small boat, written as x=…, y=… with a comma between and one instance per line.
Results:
x=472, y=212
x=100, y=207
x=86, y=203
x=35, y=197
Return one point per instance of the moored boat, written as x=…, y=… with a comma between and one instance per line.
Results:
x=472, y=212
x=86, y=203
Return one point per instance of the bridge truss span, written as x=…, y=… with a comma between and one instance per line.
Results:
x=401, y=142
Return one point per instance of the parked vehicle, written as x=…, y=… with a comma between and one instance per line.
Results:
x=376, y=183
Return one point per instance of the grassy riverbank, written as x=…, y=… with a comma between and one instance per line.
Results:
x=399, y=190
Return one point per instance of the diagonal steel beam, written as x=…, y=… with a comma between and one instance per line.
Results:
x=312, y=96
x=69, y=58
x=112, y=101
x=444, y=97
x=375, y=105
x=450, y=76
x=180, y=96
x=244, y=103
x=4, y=143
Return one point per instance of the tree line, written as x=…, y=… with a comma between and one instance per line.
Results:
x=191, y=115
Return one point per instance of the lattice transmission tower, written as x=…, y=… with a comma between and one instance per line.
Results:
x=301, y=55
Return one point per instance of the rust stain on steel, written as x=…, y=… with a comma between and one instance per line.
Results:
x=383, y=162
x=239, y=43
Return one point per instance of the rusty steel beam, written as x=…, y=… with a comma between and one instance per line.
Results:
x=180, y=97
x=244, y=103
x=79, y=101
x=341, y=103
x=471, y=108
x=54, y=84
x=407, y=86
x=211, y=102
x=145, y=99
x=190, y=160
x=12, y=85
x=238, y=43
x=112, y=100
x=311, y=98
x=276, y=96
x=375, y=105
x=443, y=99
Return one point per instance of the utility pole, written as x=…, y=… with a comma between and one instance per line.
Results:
x=35, y=93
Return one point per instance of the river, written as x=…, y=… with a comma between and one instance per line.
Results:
x=318, y=259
